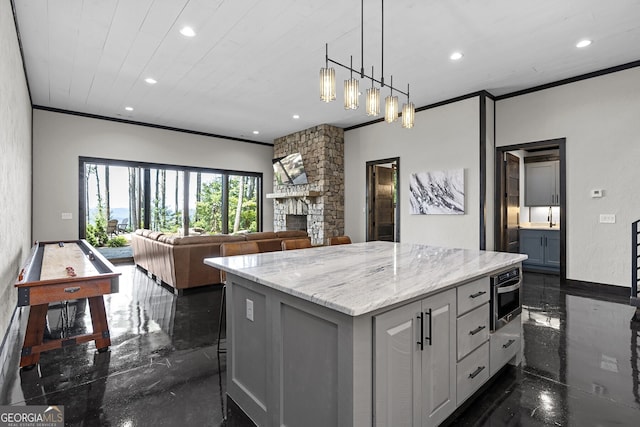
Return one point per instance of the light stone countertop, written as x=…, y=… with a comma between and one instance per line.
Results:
x=539, y=226
x=362, y=277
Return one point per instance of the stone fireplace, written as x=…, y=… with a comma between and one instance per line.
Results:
x=320, y=202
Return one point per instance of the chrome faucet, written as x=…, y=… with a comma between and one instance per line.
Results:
x=550, y=218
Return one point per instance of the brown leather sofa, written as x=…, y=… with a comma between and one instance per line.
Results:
x=178, y=260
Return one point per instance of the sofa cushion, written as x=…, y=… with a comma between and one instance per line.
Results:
x=289, y=234
x=192, y=240
x=261, y=235
x=154, y=235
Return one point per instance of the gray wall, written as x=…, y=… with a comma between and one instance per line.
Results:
x=60, y=139
x=599, y=119
x=446, y=137
x=15, y=165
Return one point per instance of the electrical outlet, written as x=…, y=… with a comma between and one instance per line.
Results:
x=250, y=310
x=66, y=215
x=607, y=218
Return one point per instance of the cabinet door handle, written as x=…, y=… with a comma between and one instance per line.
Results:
x=428, y=313
x=508, y=344
x=476, y=372
x=541, y=241
x=477, y=294
x=545, y=240
x=476, y=330
x=420, y=342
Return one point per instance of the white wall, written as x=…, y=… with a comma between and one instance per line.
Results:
x=443, y=138
x=15, y=166
x=60, y=139
x=600, y=118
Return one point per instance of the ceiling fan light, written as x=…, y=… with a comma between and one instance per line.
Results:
x=351, y=94
x=391, y=109
x=373, y=101
x=408, y=115
x=327, y=84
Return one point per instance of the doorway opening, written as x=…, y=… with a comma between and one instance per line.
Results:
x=530, y=203
x=383, y=209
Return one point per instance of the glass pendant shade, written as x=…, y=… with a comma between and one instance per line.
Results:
x=327, y=84
x=373, y=101
x=351, y=94
x=391, y=109
x=408, y=115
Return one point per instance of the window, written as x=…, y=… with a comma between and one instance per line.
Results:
x=167, y=198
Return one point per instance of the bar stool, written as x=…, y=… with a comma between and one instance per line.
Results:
x=289, y=244
x=231, y=249
x=339, y=240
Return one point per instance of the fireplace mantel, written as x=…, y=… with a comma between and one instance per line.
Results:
x=294, y=195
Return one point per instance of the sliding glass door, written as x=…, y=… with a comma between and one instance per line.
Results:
x=117, y=197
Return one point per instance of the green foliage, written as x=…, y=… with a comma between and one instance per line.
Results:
x=97, y=232
x=91, y=235
x=117, y=242
x=209, y=208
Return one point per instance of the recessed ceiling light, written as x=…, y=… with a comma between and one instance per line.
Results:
x=583, y=43
x=255, y=132
x=150, y=80
x=455, y=56
x=128, y=108
x=295, y=116
x=187, y=32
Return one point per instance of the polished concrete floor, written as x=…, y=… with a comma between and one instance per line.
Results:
x=580, y=365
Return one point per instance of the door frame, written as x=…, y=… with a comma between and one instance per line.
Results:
x=499, y=217
x=369, y=167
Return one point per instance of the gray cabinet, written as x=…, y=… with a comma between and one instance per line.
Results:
x=415, y=362
x=542, y=247
x=542, y=183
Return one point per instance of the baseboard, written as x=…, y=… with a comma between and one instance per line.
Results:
x=613, y=293
x=10, y=353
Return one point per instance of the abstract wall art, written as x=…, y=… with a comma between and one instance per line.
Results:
x=437, y=192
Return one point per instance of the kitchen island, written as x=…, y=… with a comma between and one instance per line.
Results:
x=358, y=335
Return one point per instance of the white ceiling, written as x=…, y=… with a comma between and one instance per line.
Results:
x=253, y=64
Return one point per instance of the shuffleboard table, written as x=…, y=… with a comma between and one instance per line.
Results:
x=63, y=271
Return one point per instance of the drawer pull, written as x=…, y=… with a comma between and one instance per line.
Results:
x=476, y=372
x=421, y=332
x=508, y=344
x=476, y=330
x=72, y=290
x=477, y=294
x=429, y=313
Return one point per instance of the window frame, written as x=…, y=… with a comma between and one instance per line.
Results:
x=146, y=173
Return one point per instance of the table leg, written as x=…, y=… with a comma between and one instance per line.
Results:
x=34, y=334
x=99, y=320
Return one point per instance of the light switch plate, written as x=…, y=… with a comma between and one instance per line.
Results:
x=607, y=218
x=250, y=310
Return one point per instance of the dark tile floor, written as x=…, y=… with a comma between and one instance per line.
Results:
x=580, y=364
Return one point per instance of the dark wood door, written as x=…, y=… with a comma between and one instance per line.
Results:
x=512, y=203
x=384, y=207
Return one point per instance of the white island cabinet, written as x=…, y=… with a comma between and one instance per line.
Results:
x=376, y=333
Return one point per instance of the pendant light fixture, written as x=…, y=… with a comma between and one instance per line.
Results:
x=351, y=92
x=408, y=113
x=327, y=80
x=391, y=106
x=373, y=99
x=351, y=86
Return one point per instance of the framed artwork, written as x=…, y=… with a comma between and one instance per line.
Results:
x=437, y=192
